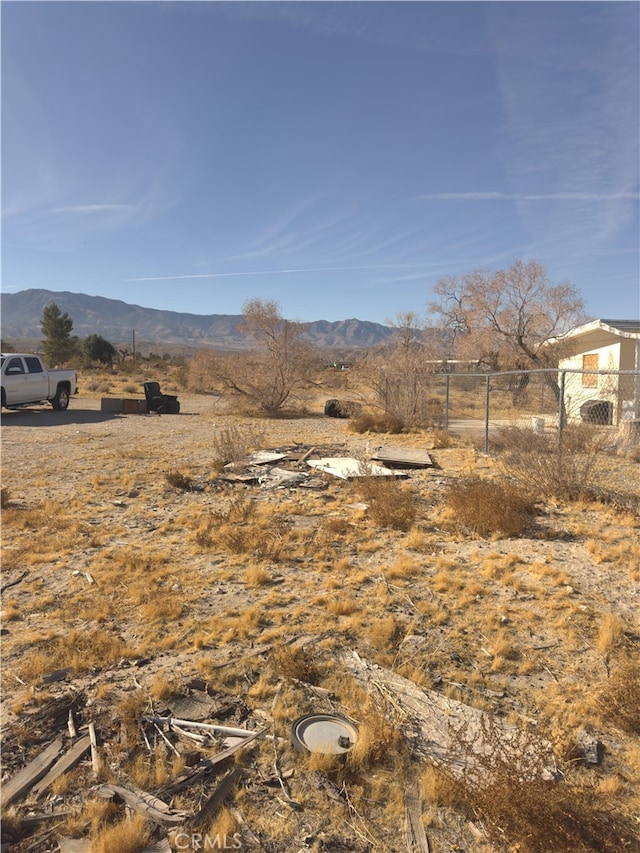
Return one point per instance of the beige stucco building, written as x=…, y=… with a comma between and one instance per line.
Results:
x=589, y=353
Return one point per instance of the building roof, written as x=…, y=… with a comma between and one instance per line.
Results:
x=619, y=328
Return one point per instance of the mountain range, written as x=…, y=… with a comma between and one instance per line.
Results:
x=119, y=321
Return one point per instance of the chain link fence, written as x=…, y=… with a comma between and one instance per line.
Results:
x=542, y=400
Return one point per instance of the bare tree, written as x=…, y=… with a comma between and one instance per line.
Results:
x=401, y=373
x=279, y=364
x=507, y=317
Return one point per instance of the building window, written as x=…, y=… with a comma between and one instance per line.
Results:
x=590, y=362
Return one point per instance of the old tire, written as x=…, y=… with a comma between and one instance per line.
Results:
x=61, y=401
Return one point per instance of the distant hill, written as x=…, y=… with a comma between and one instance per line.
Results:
x=116, y=321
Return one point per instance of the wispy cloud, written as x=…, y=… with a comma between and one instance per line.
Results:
x=561, y=196
x=259, y=272
x=568, y=85
x=92, y=208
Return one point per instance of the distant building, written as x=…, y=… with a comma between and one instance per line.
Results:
x=599, y=350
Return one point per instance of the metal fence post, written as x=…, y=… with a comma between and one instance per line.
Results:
x=446, y=403
x=561, y=417
x=486, y=416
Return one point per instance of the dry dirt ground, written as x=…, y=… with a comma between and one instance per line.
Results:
x=141, y=594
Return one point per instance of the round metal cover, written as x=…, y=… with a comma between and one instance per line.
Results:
x=325, y=733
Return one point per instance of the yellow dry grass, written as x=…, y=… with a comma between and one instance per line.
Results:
x=127, y=564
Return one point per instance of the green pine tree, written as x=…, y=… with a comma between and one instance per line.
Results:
x=58, y=345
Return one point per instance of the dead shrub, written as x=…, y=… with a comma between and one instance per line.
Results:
x=390, y=504
x=130, y=835
x=5, y=499
x=570, y=471
x=442, y=439
x=294, y=663
x=491, y=506
x=522, y=810
x=539, y=816
x=383, y=422
x=179, y=480
x=338, y=526
x=379, y=740
x=239, y=529
x=619, y=698
x=233, y=444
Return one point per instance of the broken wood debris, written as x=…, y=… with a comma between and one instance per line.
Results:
x=211, y=727
x=213, y=803
x=403, y=457
x=415, y=835
x=153, y=808
x=56, y=675
x=32, y=773
x=63, y=764
x=464, y=739
x=14, y=582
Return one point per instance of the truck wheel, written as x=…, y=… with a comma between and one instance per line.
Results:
x=4, y=399
x=61, y=401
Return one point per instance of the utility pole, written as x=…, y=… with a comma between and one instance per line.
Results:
x=133, y=335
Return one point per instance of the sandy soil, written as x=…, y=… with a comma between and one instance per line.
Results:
x=512, y=625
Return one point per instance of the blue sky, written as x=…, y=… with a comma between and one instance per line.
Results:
x=338, y=158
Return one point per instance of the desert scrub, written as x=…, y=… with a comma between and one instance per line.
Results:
x=178, y=479
x=232, y=444
x=618, y=699
x=521, y=810
x=490, y=506
x=569, y=471
x=390, y=504
x=383, y=422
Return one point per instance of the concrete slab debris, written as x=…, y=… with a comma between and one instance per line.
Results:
x=405, y=457
x=347, y=467
x=266, y=457
x=281, y=478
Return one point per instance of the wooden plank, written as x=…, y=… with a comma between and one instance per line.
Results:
x=143, y=803
x=64, y=763
x=415, y=836
x=29, y=775
x=406, y=456
x=213, y=803
x=73, y=845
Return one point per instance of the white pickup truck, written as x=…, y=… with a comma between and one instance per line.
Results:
x=26, y=381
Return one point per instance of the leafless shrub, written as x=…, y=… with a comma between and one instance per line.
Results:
x=5, y=498
x=270, y=375
x=294, y=663
x=232, y=444
x=519, y=807
x=569, y=471
x=178, y=479
x=390, y=504
x=239, y=529
x=491, y=506
x=402, y=374
x=380, y=422
x=619, y=698
x=442, y=439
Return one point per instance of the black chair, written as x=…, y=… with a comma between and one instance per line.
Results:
x=164, y=404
